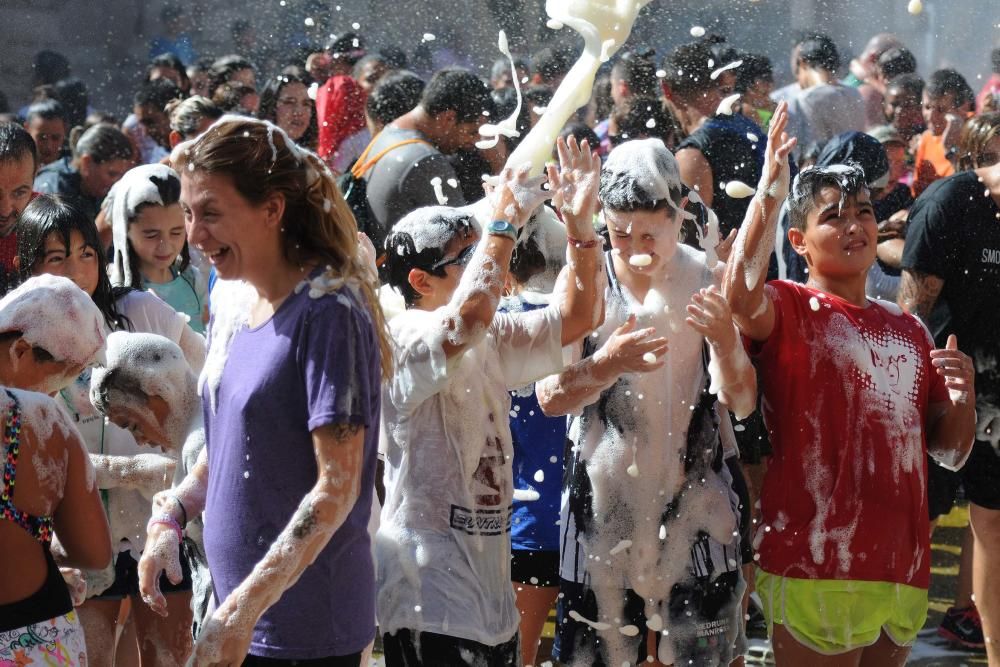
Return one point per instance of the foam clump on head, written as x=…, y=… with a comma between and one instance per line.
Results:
x=153, y=362
x=430, y=227
x=54, y=314
x=142, y=185
x=639, y=173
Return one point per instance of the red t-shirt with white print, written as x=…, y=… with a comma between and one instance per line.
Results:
x=846, y=392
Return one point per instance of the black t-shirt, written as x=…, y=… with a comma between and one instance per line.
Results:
x=727, y=146
x=954, y=234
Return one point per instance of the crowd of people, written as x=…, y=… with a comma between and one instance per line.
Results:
x=281, y=380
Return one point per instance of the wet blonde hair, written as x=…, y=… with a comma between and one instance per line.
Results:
x=317, y=225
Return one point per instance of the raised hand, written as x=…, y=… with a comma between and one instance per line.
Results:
x=957, y=369
x=516, y=195
x=775, y=177
x=575, y=184
x=625, y=351
x=709, y=315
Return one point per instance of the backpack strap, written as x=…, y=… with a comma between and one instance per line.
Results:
x=361, y=166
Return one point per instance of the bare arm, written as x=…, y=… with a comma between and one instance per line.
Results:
x=79, y=520
x=951, y=427
x=918, y=292
x=891, y=252
x=743, y=283
x=580, y=384
x=733, y=377
x=575, y=187
x=142, y=472
x=339, y=452
x=162, y=551
x=475, y=301
x=696, y=173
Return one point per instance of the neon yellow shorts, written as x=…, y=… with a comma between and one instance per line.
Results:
x=832, y=616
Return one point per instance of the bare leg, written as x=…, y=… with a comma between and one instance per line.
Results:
x=651, y=651
x=963, y=592
x=164, y=641
x=99, y=619
x=534, y=603
x=884, y=653
x=986, y=560
x=788, y=652
x=126, y=646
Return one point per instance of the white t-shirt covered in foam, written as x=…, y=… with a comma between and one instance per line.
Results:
x=443, y=548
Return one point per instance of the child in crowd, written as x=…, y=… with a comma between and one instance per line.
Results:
x=146, y=387
x=947, y=103
x=649, y=540
x=50, y=330
x=55, y=237
x=151, y=249
x=854, y=397
x=443, y=547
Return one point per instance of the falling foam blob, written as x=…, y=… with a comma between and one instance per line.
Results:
x=814, y=303
x=442, y=199
x=697, y=31
x=429, y=37
x=726, y=106
x=739, y=190
x=597, y=625
x=620, y=547
x=915, y=7
x=539, y=476
x=640, y=260
x=629, y=630
x=649, y=358
x=725, y=68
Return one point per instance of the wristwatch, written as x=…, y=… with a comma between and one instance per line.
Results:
x=502, y=228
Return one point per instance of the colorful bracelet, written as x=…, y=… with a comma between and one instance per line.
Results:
x=584, y=245
x=166, y=520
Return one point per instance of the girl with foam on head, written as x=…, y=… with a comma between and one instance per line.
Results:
x=151, y=248
x=299, y=350
x=146, y=387
x=44, y=454
x=55, y=237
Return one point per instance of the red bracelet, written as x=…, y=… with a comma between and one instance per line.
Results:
x=166, y=520
x=583, y=245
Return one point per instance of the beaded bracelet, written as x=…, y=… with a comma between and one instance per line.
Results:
x=583, y=245
x=166, y=520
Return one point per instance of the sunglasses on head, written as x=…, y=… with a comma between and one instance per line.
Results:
x=461, y=259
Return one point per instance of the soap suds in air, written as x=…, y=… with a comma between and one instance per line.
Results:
x=649, y=358
x=508, y=126
x=597, y=625
x=439, y=194
x=725, y=68
x=697, y=31
x=739, y=190
x=726, y=106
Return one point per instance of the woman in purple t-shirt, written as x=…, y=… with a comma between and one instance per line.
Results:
x=291, y=402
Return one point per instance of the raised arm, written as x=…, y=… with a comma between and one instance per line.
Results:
x=582, y=383
x=733, y=377
x=475, y=301
x=743, y=284
x=575, y=187
x=339, y=450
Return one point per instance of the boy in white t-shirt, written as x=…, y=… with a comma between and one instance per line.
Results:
x=443, y=547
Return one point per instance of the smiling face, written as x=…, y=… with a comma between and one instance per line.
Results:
x=936, y=110
x=157, y=236
x=79, y=263
x=293, y=110
x=653, y=233
x=230, y=230
x=838, y=241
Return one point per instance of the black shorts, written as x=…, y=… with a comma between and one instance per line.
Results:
x=433, y=650
x=981, y=476
x=127, y=579
x=746, y=515
x=698, y=620
x=535, y=568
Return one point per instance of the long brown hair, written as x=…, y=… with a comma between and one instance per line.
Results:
x=975, y=136
x=318, y=224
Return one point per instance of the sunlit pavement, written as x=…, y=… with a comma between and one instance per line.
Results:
x=930, y=650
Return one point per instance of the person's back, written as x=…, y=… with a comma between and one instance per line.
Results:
x=55, y=494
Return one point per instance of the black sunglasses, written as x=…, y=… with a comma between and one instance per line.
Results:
x=461, y=259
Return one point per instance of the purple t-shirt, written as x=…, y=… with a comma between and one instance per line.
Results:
x=316, y=362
